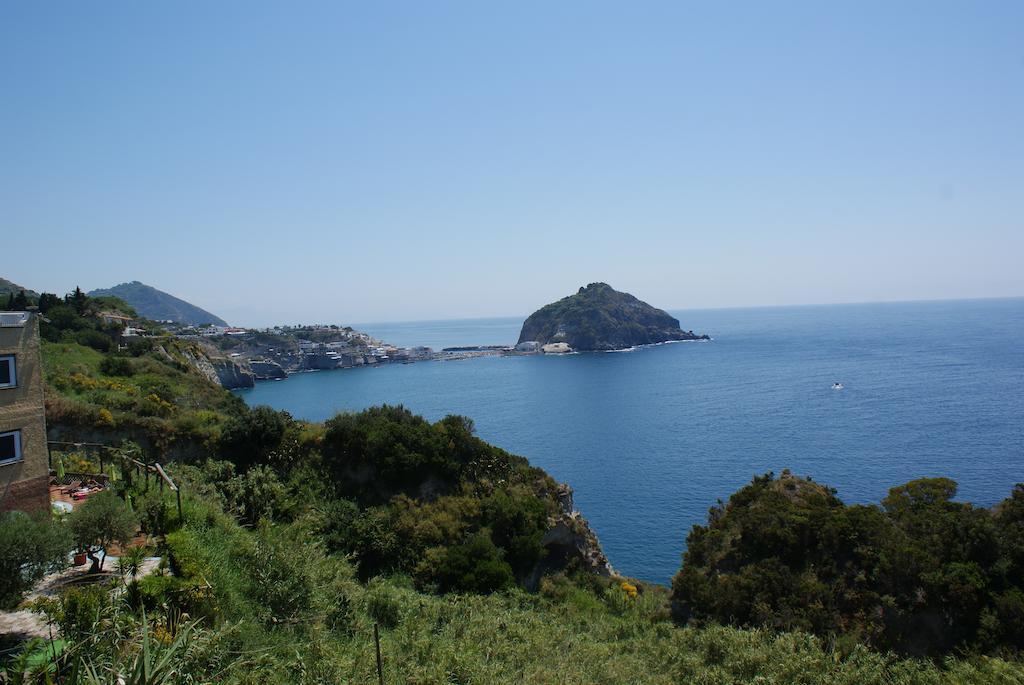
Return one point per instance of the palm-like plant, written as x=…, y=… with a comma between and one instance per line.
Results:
x=152, y=663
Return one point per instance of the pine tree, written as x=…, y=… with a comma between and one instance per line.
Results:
x=78, y=300
x=47, y=301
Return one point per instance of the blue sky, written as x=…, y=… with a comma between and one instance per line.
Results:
x=348, y=162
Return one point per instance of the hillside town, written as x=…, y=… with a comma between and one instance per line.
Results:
x=275, y=353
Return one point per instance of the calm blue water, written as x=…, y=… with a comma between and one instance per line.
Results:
x=650, y=439
x=441, y=334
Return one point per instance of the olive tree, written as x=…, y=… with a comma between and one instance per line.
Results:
x=29, y=549
x=103, y=520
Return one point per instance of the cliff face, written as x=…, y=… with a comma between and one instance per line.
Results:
x=220, y=370
x=265, y=369
x=570, y=543
x=601, y=318
x=232, y=375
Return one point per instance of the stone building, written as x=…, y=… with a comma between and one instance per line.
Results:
x=24, y=459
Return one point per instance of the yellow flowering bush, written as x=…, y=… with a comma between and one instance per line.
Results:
x=104, y=418
x=80, y=381
x=154, y=405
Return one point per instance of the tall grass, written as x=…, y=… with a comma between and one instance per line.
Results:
x=589, y=633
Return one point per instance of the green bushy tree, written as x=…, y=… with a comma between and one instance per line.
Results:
x=922, y=574
x=101, y=521
x=116, y=366
x=253, y=434
x=30, y=547
x=94, y=339
x=478, y=566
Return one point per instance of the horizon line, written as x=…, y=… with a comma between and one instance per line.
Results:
x=702, y=309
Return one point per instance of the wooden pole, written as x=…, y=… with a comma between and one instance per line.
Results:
x=380, y=667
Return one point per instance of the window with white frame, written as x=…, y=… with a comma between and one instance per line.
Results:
x=10, y=447
x=8, y=372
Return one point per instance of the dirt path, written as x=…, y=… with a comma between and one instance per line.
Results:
x=24, y=623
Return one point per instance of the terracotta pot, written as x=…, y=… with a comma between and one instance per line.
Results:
x=79, y=558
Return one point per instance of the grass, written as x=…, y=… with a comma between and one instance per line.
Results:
x=567, y=633
x=161, y=402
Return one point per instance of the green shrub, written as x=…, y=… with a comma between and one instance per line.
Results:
x=152, y=511
x=251, y=436
x=923, y=574
x=81, y=609
x=156, y=591
x=29, y=549
x=116, y=366
x=140, y=346
x=94, y=339
x=382, y=604
x=281, y=580
x=517, y=520
x=256, y=494
x=476, y=566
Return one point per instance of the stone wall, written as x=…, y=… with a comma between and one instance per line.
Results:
x=22, y=409
x=30, y=496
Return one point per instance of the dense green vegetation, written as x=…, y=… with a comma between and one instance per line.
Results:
x=921, y=574
x=269, y=604
x=392, y=490
x=105, y=387
x=30, y=547
x=599, y=317
x=296, y=539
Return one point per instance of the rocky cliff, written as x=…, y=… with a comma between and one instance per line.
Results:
x=232, y=375
x=599, y=317
x=266, y=369
x=570, y=543
x=220, y=370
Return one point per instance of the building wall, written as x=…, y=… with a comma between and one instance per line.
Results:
x=24, y=484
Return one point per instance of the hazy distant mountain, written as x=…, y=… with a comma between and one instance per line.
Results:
x=7, y=287
x=158, y=305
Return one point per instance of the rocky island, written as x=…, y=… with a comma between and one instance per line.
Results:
x=600, y=318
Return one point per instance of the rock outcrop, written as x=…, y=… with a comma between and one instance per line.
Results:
x=225, y=372
x=570, y=542
x=266, y=369
x=600, y=318
x=232, y=374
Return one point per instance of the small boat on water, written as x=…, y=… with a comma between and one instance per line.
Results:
x=837, y=386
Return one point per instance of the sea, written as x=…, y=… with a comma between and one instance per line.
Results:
x=649, y=439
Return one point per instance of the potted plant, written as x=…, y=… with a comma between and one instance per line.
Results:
x=99, y=523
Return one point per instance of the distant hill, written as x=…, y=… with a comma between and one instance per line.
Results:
x=598, y=317
x=158, y=305
x=7, y=287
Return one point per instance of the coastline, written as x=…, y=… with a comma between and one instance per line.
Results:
x=477, y=352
